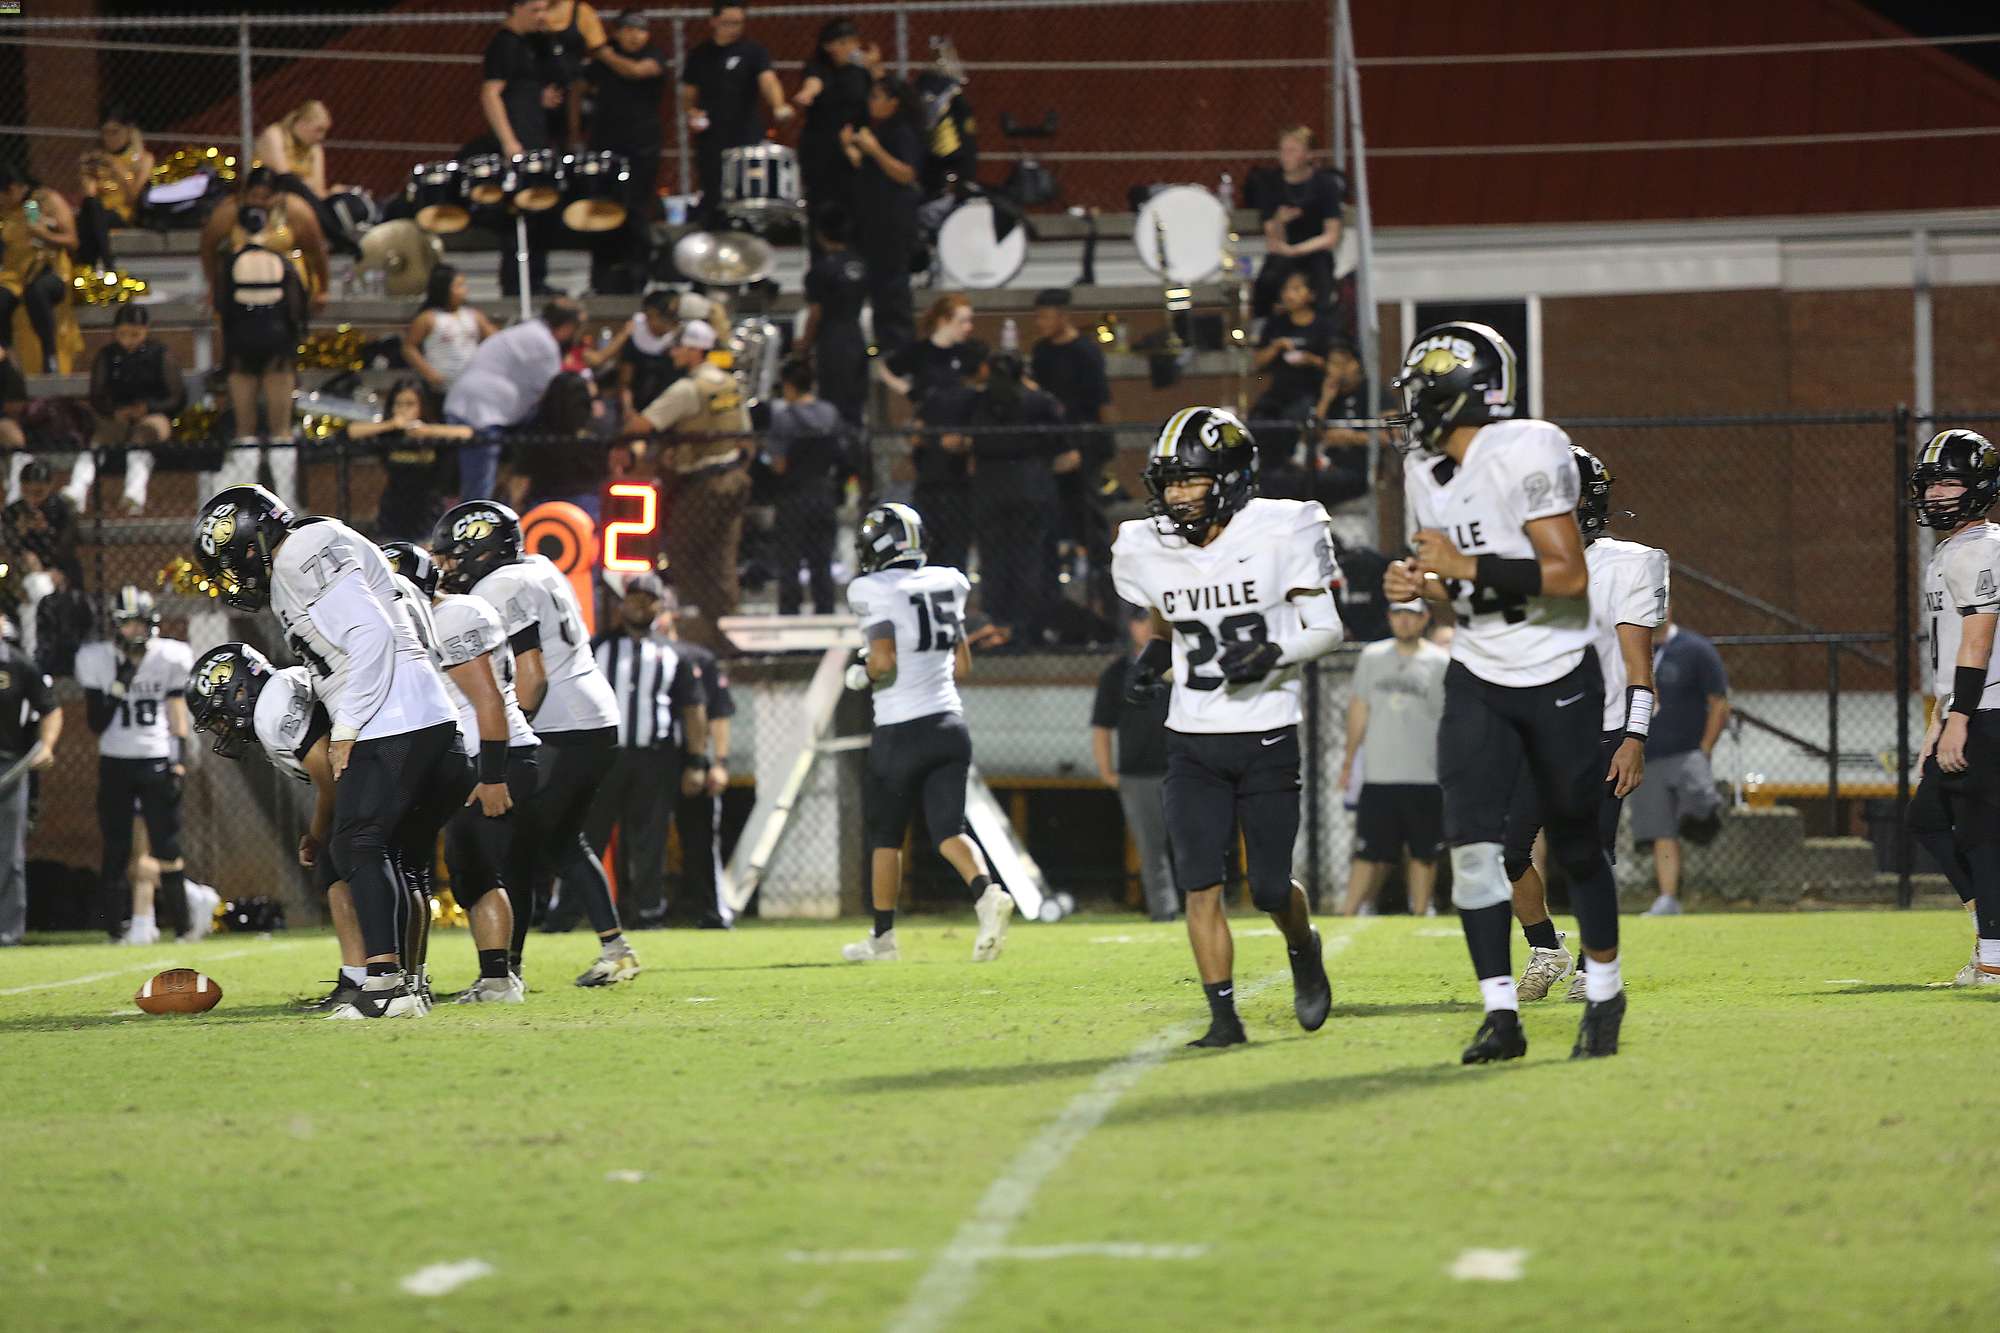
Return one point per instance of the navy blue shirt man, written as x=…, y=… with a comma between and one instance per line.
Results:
x=1692, y=692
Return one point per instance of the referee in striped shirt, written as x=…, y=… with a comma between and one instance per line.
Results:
x=663, y=748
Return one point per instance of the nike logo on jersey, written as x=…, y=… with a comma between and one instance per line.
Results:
x=1270, y=740
x=1210, y=599
x=1565, y=703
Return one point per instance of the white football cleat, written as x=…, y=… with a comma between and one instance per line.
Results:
x=1983, y=975
x=1968, y=975
x=610, y=969
x=1577, y=990
x=493, y=990
x=872, y=949
x=995, y=909
x=201, y=904
x=390, y=996
x=140, y=932
x=1545, y=968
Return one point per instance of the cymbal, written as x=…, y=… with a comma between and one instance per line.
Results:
x=725, y=258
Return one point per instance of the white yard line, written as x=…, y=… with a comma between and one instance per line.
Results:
x=443, y=1279
x=1022, y=1253
x=949, y=1282
x=159, y=964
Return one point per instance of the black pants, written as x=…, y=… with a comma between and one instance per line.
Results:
x=638, y=798
x=925, y=760
x=574, y=765
x=477, y=846
x=1220, y=784
x=946, y=508
x=886, y=250
x=41, y=295
x=93, y=235
x=149, y=785
x=698, y=819
x=394, y=789
x=804, y=536
x=1012, y=527
x=1956, y=818
x=621, y=260
x=840, y=365
x=1524, y=816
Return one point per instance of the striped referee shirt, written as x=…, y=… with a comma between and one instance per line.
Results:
x=653, y=681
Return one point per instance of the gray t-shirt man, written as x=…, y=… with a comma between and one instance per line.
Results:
x=1404, y=693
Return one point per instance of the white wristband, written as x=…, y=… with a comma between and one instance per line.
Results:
x=1638, y=711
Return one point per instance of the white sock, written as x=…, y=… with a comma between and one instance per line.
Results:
x=1498, y=992
x=1601, y=981
x=353, y=976
x=142, y=920
x=1989, y=953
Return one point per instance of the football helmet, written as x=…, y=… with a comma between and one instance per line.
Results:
x=222, y=695
x=1963, y=456
x=472, y=540
x=414, y=563
x=1593, y=501
x=135, y=618
x=236, y=534
x=1201, y=442
x=890, y=534
x=1458, y=374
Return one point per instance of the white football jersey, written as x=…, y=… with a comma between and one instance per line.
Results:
x=1628, y=586
x=467, y=628
x=924, y=608
x=138, y=729
x=284, y=719
x=1239, y=586
x=1515, y=472
x=330, y=587
x=1959, y=582
x=532, y=591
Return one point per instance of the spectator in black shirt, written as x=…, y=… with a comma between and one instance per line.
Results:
x=135, y=392
x=1301, y=208
x=1013, y=491
x=1292, y=352
x=517, y=94
x=1342, y=471
x=805, y=447
x=1141, y=729
x=420, y=474
x=834, y=95
x=1070, y=367
x=836, y=289
x=24, y=690
x=13, y=403
x=721, y=83
x=39, y=532
x=571, y=33
x=629, y=76
x=936, y=359
x=886, y=154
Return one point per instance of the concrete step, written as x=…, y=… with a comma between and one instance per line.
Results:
x=1836, y=859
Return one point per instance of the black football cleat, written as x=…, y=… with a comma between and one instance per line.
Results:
x=1312, y=993
x=343, y=991
x=1220, y=1034
x=1597, y=1034
x=1499, y=1038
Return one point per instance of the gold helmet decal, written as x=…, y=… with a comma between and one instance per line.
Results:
x=1438, y=361
x=220, y=672
x=475, y=526
x=217, y=530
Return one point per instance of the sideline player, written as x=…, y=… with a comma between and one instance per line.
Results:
x=1491, y=502
x=394, y=743
x=1240, y=590
x=133, y=691
x=471, y=648
x=1955, y=813
x=913, y=616
x=477, y=546
x=1628, y=598
x=238, y=697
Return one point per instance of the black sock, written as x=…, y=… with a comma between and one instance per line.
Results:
x=492, y=964
x=173, y=901
x=979, y=885
x=1542, y=935
x=885, y=920
x=615, y=937
x=1221, y=1001
x=1985, y=862
x=513, y=961
x=383, y=969
x=1486, y=936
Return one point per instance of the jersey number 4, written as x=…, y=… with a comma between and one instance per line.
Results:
x=937, y=608
x=1205, y=643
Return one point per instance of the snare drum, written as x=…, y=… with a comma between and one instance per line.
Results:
x=486, y=178
x=761, y=182
x=595, y=190
x=973, y=254
x=1181, y=233
x=437, y=192
x=537, y=181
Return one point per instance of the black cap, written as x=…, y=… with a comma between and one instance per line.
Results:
x=36, y=470
x=632, y=18
x=1053, y=296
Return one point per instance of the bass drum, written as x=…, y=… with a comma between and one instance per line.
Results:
x=1181, y=233
x=981, y=245
x=437, y=193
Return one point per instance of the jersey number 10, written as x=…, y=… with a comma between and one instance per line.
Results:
x=939, y=608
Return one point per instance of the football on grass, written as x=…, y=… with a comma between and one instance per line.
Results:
x=179, y=990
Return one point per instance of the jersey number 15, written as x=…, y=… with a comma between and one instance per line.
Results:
x=938, y=607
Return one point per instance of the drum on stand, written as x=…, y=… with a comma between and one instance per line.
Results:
x=595, y=187
x=437, y=193
x=486, y=178
x=761, y=184
x=537, y=181
x=981, y=245
x=1181, y=233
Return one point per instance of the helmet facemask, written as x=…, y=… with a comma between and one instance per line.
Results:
x=1190, y=520
x=1972, y=502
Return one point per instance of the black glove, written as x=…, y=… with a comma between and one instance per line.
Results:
x=1247, y=661
x=1144, y=685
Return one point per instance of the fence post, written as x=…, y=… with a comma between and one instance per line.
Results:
x=1336, y=84
x=680, y=117
x=1904, y=636
x=902, y=43
x=1833, y=738
x=246, y=116
x=1366, y=329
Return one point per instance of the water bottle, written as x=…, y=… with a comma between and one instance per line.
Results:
x=1228, y=191
x=1010, y=336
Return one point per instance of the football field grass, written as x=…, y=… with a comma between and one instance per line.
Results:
x=1799, y=1133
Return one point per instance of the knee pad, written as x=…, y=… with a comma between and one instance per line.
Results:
x=1516, y=864
x=1575, y=846
x=1478, y=877
x=1272, y=897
